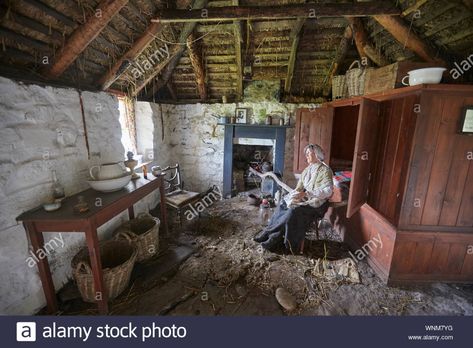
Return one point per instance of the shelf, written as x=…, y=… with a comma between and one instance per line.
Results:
x=254, y=125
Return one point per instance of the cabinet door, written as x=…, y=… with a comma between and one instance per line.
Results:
x=313, y=126
x=364, y=156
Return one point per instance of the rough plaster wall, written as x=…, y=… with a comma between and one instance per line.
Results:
x=192, y=138
x=42, y=129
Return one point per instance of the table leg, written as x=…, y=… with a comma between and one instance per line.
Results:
x=164, y=214
x=37, y=241
x=131, y=212
x=95, y=262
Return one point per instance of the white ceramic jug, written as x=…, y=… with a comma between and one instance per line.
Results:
x=107, y=171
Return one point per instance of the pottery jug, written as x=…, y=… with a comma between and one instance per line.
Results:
x=107, y=171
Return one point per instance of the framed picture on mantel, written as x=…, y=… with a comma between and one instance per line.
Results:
x=466, y=124
x=241, y=115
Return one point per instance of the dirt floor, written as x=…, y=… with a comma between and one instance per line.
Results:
x=213, y=267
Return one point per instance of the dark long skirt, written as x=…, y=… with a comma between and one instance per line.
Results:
x=294, y=222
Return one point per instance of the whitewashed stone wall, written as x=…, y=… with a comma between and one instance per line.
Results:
x=42, y=129
x=193, y=139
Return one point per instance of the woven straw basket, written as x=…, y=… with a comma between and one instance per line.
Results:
x=355, y=79
x=118, y=259
x=339, y=87
x=143, y=233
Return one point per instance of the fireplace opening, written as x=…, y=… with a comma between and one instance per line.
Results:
x=259, y=157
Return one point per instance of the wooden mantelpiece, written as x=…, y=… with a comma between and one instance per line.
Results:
x=102, y=208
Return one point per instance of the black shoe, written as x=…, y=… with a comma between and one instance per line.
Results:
x=274, y=241
x=261, y=237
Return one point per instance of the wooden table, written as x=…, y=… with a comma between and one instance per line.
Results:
x=102, y=208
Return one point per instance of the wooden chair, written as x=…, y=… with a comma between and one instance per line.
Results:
x=176, y=197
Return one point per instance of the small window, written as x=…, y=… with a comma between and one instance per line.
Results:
x=127, y=122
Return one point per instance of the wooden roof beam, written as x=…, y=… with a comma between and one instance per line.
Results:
x=84, y=35
x=402, y=33
x=232, y=13
x=175, y=53
x=119, y=67
x=51, y=12
x=295, y=35
x=195, y=55
x=363, y=46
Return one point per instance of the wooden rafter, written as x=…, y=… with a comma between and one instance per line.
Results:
x=123, y=62
x=238, y=42
x=363, y=46
x=231, y=13
x=402, y=33
x=176, y=52
x=338, y=59
x=51, y=12
x=413, y=8
x=294, y=36
x=84, y=35
x=195, y=55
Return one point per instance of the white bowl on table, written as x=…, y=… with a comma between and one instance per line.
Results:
x=110, y=185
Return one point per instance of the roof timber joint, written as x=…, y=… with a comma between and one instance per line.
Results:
x=402, y=33
x=176, y=53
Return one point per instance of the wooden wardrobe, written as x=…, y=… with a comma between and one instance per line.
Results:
x=412, y=184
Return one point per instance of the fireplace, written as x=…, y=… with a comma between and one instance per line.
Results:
x=262, y=137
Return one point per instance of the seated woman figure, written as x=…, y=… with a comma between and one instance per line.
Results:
x=301, y=206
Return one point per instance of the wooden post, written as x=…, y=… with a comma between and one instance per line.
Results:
x=84, y=35
x=37, y=243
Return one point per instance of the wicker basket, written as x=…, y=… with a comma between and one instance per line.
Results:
x=339, y=87
x=143, y=232
x=118, y=259
x=355, y=79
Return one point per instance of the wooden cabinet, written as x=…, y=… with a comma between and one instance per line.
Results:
x=313, y=126
x=412, y=179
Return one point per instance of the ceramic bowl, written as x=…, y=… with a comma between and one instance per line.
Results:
x=426, y=75
x=110, y=185
x=52, y=206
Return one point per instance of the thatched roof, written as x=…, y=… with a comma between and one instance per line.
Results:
x=194, y=59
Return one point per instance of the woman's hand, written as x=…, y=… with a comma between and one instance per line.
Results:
x=299, y=195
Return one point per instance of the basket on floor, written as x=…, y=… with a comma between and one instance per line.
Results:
x=142, y=232
x=339, y=87
x=117, y=258
x=355, y=79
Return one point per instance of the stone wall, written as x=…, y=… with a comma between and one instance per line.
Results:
x=41, y=130
x=193, y=139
